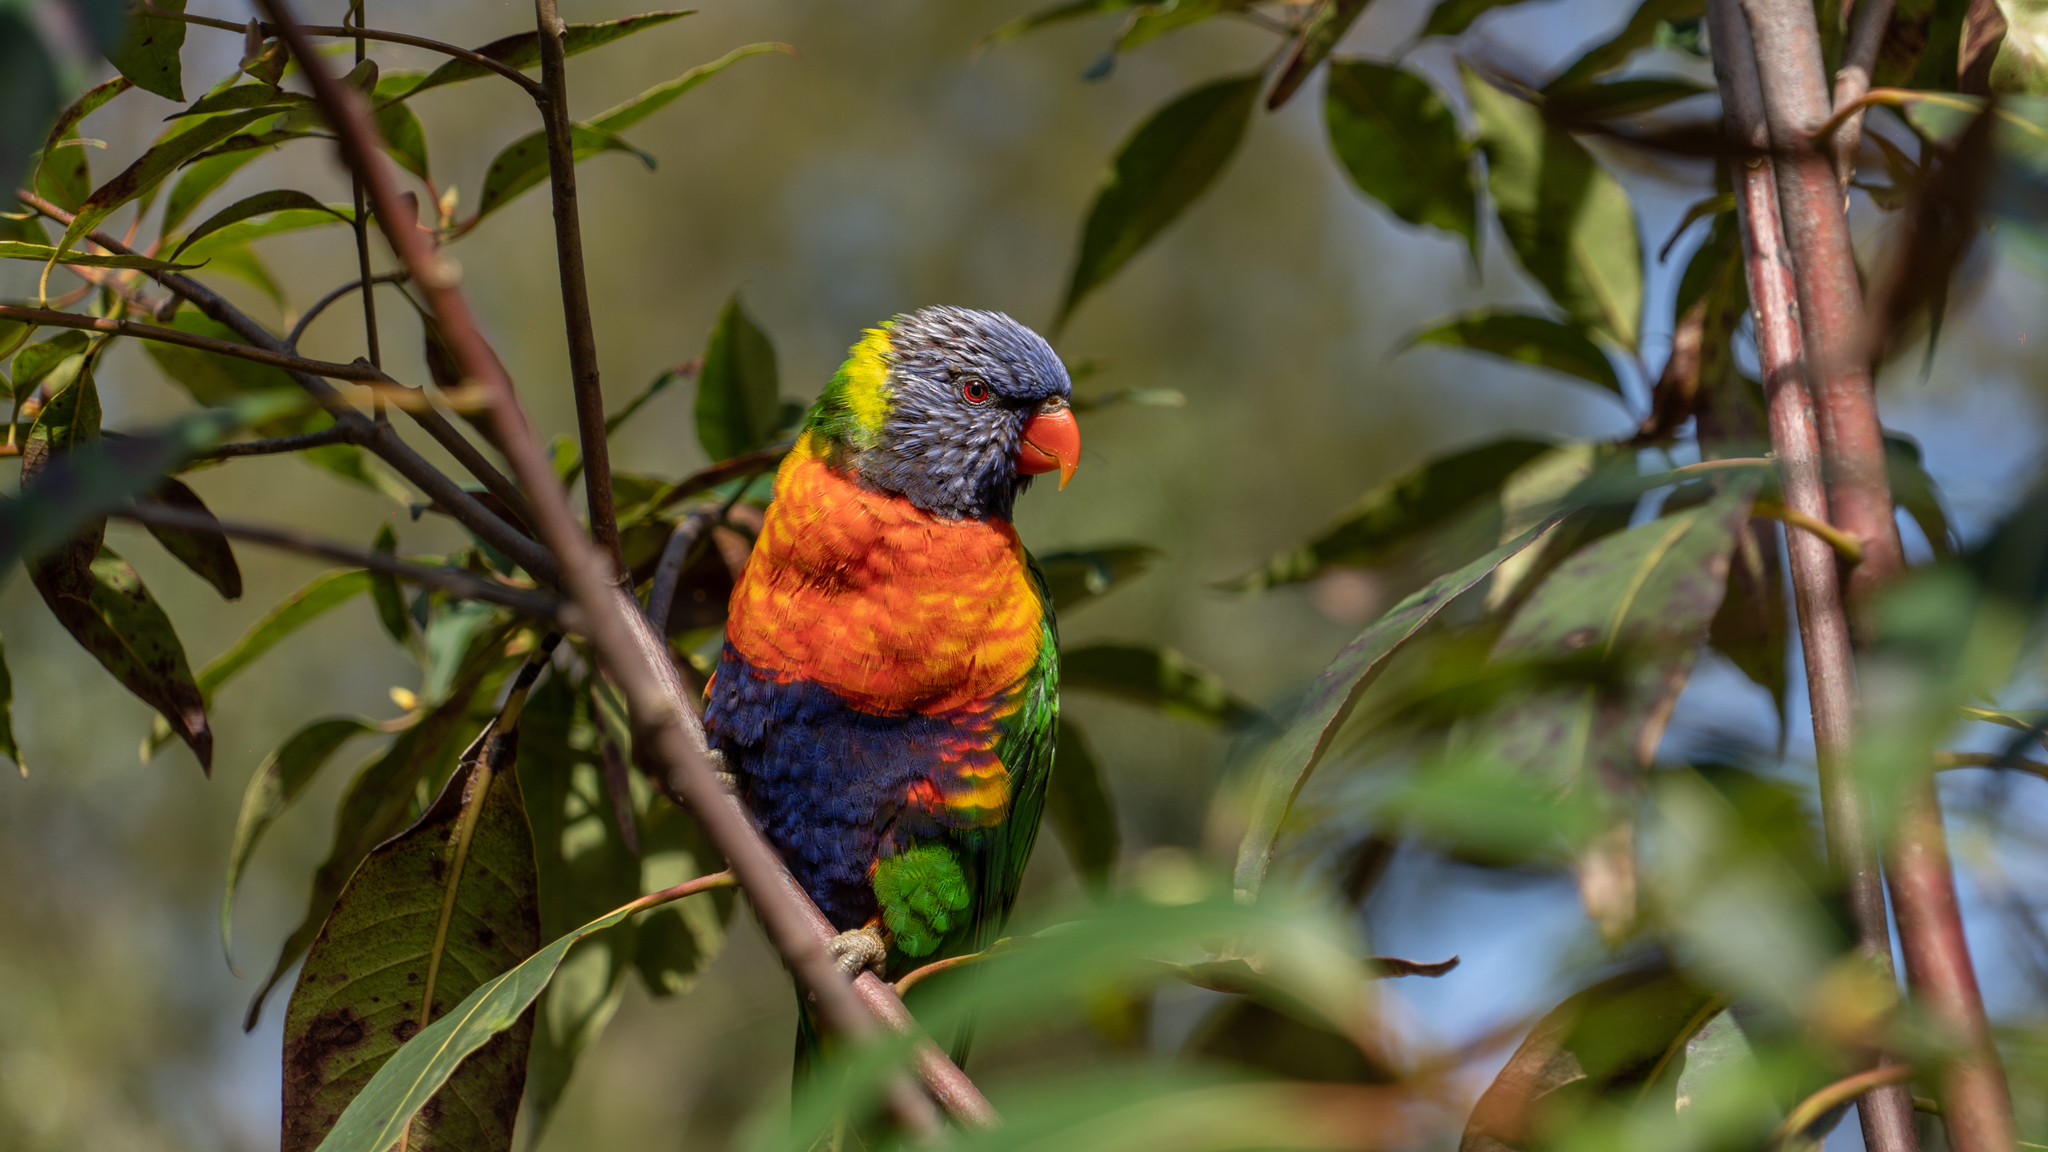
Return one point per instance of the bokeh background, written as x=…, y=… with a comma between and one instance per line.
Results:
x=884, y=168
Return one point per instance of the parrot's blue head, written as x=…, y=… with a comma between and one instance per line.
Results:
x=953, y=409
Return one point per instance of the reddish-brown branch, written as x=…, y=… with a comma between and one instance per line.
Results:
x=583, y=372
x=628, y=648
x=53, y=319
x=277, y=445
x=1867, y=22
x=1886, y=1114
x=1977, y=1106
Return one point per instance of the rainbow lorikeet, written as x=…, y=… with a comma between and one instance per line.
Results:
x=887, y=698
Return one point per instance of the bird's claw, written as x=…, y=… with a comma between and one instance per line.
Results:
x=722, y=770
x=858, y=950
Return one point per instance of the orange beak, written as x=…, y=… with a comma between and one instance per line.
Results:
x=1051, y=440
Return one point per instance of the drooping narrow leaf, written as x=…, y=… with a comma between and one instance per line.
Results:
x=738, y=388
x=1079, y=806
x=1326, y=25
x=283, y=775
x=524, y=163
x=1525, y=339
x=149, y=54
x=374, y=807
x=522, y=50
x=1078, y=576
x=404, y=138
x=1294, y=757
x=1165, y=166
x=662, y=95
x=260, y=204
x=205, y=551
x=660, y=384
x=427, y=918
x=1401, y=145
x=1569, y=222
x=1155, y=678
x=28, y=87
x=42, y=254
x=323, y=592
x=389, y=598
x=1398, y=511
x=201, y=178
x=153, y=166
x=57, y=360
x=112, y=615
x=64, y=175
x=240, y=98
x=68, y=424
x=93, y=99
x=241, y=232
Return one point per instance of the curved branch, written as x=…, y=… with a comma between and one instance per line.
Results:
x=292, y=340
x=635, y=656
x=531, y=86
x=747, y=464
x=1945, y=760
x=456, y=582
x=359, y=371
x=1804, y=1114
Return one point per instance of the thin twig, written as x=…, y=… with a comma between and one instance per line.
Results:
x=583, y=371
x=675, y=556
x=748, y=464
x=628, y=648
x=1867, y=23
x=1885, y=1115
x=1808, y=1111
x=1945, y=760
x=299, y=330
x=507, y=71
x=456, y=582
x=380, y=438
x=1845, y=545
x=277, y=445
x=52, y=319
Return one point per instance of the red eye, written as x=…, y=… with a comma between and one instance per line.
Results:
x=974, y=391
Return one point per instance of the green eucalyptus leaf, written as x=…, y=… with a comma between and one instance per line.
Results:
x=1566, y=218
x=148, y=55
x=1326, y=24
x=1611, y=99
x=388, y=596
x=1452, y=17
x=242, y=232
x=1077, y=576
x=1155, y=678
x=1163, y=168
x=660, y=384
x=404, y=139
x=279, y=781
x=93, y=99
x=1397, y=512
x=1640, y=32
x=205, y=551
x=522, y=50
x=384, y=965
x=1294, y=757
x=202, y=177
x=1525, y=339
x=524, y=163
x=738, y=388
x=661, y=96
x=155, y=165
x=1401, y=145
x=44, y=253
x=260, y=204
x=324, y=592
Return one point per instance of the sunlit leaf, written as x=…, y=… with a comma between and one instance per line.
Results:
x=524, y=163
x=662, y=95
x=64, y=175
x=57, y=360
x=738, y=388
x=1079, y=806
x=205, y=551
x=398, y=127
x=1078, y=576
x=378, y=799
x=522, y=50
x=1156, y=678
x=1568, y=221
x=1294, y=757
x=42, y=253
x=260, y=204
x=1164, y=167
x=1525, y=339
x=153, y=166
x=677, y=942
x=149, y=54
x=1397, y=512
x=278, y=781
x=241, y=232
x=1401, y=145
x=387, y=963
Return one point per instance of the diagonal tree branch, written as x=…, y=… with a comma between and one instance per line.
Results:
x=454, y=581
x=50, y=318
x=629, y=649
x=381, y=438
x=590, y=429
x=1886, y=1113
x=1976, y=1103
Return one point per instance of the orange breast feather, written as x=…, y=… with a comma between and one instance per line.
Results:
x=889, y=606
